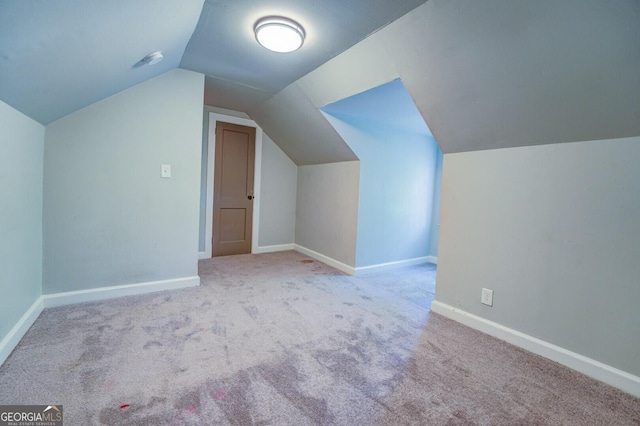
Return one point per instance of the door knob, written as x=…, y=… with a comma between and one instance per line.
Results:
x=250, y=197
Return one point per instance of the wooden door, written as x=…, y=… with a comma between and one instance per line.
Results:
x=233, y=189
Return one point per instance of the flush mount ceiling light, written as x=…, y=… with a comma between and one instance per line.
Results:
x=152, y=58
x=279, y=34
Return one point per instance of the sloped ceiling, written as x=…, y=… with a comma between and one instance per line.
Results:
x=59, y=56
x=224, y=48
x=300, y=129
x=507, y=73
x=484, y=75
x=503, y=73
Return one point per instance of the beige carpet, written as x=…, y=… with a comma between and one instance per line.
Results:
x=277, y=339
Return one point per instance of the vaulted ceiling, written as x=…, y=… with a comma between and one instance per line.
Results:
x=59, y=56
x=484, y=75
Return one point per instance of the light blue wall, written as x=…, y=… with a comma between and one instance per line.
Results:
x=21, y=159
x=109, y=218
x=397, y=182
x=400, y=169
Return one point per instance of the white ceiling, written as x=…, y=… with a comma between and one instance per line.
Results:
x=300, y=129
x=483, y=75
x=503, y=73
x=242, y=73
x=59, y=56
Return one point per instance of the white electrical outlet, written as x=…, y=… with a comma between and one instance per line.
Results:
x=165, y=170
x=487, y=297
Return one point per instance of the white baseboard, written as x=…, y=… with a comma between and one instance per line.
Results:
x=102, y=293
x=11, y=340
x=326, y=259
x=590, y=367
x=203, y=255
x=361, y=270
x=274, y=248
x=432, y=259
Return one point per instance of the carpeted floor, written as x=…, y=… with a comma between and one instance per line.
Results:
x=278, y=339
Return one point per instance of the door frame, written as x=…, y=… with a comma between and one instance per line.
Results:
x=211, y=149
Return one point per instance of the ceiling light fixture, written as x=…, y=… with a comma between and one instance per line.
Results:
x=279, y=34
x=153, y=58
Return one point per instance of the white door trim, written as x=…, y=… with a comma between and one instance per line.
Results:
x=257, y=175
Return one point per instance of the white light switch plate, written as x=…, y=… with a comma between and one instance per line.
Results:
x=165, y=171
